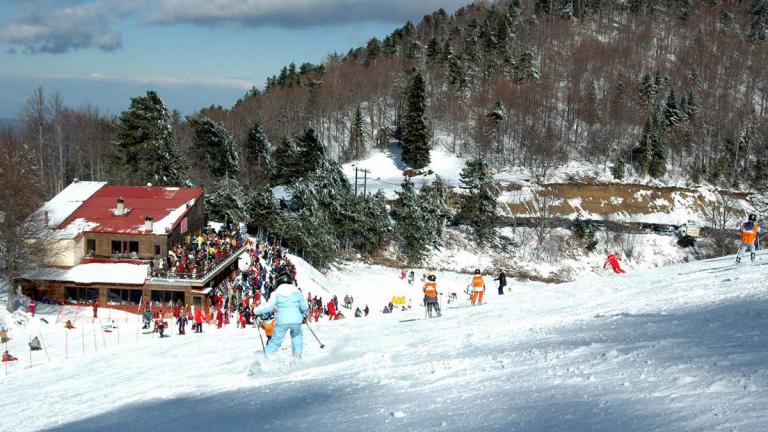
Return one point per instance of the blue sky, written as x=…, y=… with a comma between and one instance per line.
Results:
x=193, y=52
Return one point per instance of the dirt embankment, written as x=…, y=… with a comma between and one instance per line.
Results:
x=611, y=199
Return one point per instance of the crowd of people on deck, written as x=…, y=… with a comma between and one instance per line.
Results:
x=199, y=254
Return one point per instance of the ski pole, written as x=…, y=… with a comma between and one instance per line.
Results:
x=263, y=348
x=322, y=345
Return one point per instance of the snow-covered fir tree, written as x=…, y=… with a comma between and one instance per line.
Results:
x=478, y=206
x=258, y=154
x=356, y=147
x=215, y=146
x=287, y=164
x=227, y=202
x=415, y=133
x=435, y=202
x=372, y=227
x=146, y=146
x=412, y=227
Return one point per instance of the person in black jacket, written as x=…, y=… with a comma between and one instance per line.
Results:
x=502, y=281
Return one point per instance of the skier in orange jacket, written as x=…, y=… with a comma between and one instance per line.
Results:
x=478, y=288
x=430, y=296
x=613, y=260
x=750, y=230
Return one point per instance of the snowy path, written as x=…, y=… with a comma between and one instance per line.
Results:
x=681, y=348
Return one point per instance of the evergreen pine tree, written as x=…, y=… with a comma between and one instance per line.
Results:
x=658, y=166
x=287, y=165
x=645, y=147
x=526, y=67
x=434, y=203
x=433, y=51
x=759, y=173
x=146, y=146
x=262, y=208
x=672, y=114
x=412, y=228
x=479, y=204
x=258, y=154
x=619, y=168
x=227, y=202
x=215, y=146
x=311, y=152
x=372, y=226
x=758, y=26
x=415, y=134
x=356, y=147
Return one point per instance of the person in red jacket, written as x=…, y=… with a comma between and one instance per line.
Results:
x=613, y=260
x=219, y=318
x=198, y=320
x=32, y=307
x=332, y=313
x=96, y=309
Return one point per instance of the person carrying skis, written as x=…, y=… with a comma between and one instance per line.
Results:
x=478, y=288
x=502, y=281
x=750, y=232
x=291, y=309
x=430, y=296
x=613, y=259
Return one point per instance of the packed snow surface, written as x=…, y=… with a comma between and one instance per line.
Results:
x=681, y=348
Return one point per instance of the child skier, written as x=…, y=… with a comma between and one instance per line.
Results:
x=750, y=232
x=478, y=288
x=430, y=296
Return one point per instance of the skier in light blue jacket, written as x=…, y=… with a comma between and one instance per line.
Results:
x=290, y=308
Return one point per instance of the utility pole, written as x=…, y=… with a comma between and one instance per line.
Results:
x=365, y=181
x=355, y=181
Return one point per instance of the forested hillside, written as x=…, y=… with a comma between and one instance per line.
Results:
x=671, y=90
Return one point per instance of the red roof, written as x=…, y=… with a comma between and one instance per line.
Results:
x=164, y=205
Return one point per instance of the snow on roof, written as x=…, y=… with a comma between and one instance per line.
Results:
x=166, y=206
x=61, y=206
x=117, y=273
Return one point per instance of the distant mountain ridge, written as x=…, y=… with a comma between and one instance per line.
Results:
x=7, y=121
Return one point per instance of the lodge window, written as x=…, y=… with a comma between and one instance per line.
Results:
x=90, y=247
x=125, y=247
x=81, y=294
x=124, y=296
x=167, y=297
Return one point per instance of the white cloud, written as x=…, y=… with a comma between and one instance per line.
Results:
x=50, y=26
x=160, y=81
x=294, y=13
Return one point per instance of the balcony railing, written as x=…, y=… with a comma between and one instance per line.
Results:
x=199, y=272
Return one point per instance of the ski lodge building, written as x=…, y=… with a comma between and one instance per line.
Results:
x=109, y=243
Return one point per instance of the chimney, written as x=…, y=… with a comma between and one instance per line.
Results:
x=148, y=223
x=120, y=207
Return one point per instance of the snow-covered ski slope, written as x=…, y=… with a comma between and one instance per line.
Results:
x=682, y=348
